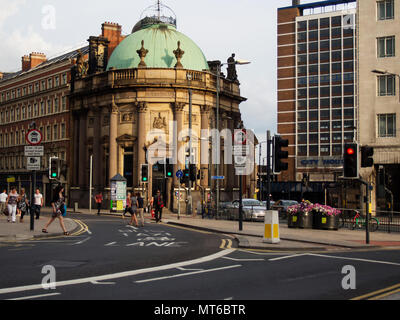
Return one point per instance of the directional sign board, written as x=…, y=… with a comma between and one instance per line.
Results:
x=34, y=151
x=33, y=163
x=217, y=178
x=179, y=174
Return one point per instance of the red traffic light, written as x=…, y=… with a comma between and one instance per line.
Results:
x=350, y=151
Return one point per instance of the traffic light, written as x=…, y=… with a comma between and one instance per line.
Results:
x=54, y=168
x=186, y=177
x=192, y=172
x=169, y=169
x=350, y=161
x=145, y=173
x=367, y=159
x=280, y=155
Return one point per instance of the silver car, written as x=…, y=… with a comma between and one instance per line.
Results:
x=253, y=210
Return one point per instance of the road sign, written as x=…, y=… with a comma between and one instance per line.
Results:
x=33, y=163
x=179, y=174
x=34, y=137
x=240, y=137
x=34, y=151
x=218, y=178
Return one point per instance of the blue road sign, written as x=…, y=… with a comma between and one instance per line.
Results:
x=179, y=174
x=217, y=177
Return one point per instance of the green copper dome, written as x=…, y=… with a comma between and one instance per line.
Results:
x=161, y=40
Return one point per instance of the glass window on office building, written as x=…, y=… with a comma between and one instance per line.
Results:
x=386, y=47
x=387, y=85
x=385, y=9
x=386, y=125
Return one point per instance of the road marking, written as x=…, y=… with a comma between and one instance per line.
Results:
x=184, y=269
x=289, y=257
x=354, y=259
x=188, y=274
x=102, y=283
x=184, y=228
x=226, y=244
x=110, y=244
x=83, y=241
x=126, y=274
x=244, y=260
x=379, y=294
x=36, y=297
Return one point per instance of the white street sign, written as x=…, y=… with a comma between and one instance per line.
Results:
x=33, y=163
x=34, y=151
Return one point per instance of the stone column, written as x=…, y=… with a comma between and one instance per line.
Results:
x=83, y=158
x=178, y=117
x=97, y=158
x=141, y=134
x=205, y=145
x=113, y=148
x=75, y=172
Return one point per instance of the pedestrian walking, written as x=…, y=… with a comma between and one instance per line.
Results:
x=11, y=202
x=99, y=201
x=131, y=208
x=3, y=201
x=140, y=210
x=38, y=203
x=57, y=204
x=158, y=204
x=23, y=205
x=134, y=207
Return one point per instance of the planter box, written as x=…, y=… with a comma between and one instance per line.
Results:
x=305, y=220
x=322, y=222
x=293, y=221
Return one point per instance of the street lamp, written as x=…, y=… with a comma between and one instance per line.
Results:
x=384, y=72
x=259, y=173
x=219, y=65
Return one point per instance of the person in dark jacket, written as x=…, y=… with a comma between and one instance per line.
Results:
x=158, y=204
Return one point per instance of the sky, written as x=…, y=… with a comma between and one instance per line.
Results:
x=247, y=28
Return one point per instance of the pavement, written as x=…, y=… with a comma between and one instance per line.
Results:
x=251, y=237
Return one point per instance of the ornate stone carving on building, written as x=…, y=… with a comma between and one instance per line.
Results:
x=142, y=54
x=82, y=66
x=160, y=122
x=178, y=55
x=232, y=74
x=127, y=117
x=194, y=118
x=141, y=107
x=178, y=106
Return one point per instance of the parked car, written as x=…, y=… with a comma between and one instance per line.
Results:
x=282, y=206
x=253, y=210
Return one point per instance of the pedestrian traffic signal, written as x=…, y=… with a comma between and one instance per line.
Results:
x=367, y=159
x=280, y=155
x=192, y=172
x=54, y=168
x=350, y=161
x=169, y=169
x=145, y=173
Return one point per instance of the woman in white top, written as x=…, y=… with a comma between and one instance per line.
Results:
x=12, y=200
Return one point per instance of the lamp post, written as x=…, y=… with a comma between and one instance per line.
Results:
x=190, y=202
x=219, y=65
x=259, y=174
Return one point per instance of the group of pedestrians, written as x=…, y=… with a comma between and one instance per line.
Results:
x=14, y=203
x=135, y=207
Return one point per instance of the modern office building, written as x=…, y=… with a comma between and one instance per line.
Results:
x=317, y=87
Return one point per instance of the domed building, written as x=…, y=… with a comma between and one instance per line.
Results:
x=133, y=104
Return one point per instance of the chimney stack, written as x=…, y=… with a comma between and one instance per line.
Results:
x=113, y=33
x=33, y=60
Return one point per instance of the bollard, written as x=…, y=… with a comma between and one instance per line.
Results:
x=271, y=233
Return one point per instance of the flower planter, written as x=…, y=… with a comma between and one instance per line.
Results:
x=305, y=220
x=293, y=221
x=325, y=222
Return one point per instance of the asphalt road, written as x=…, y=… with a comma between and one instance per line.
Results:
x=112, y=261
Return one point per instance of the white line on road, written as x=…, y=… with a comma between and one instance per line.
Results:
x=83, y=241
x=289, y=257
x=102, y=283
x=354, y=259
x=244, y=260
x=121, y=274
x=36, y=297
x=110, y=244
x=188, y=274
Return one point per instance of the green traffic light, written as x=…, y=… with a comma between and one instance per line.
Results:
x=54, y=175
